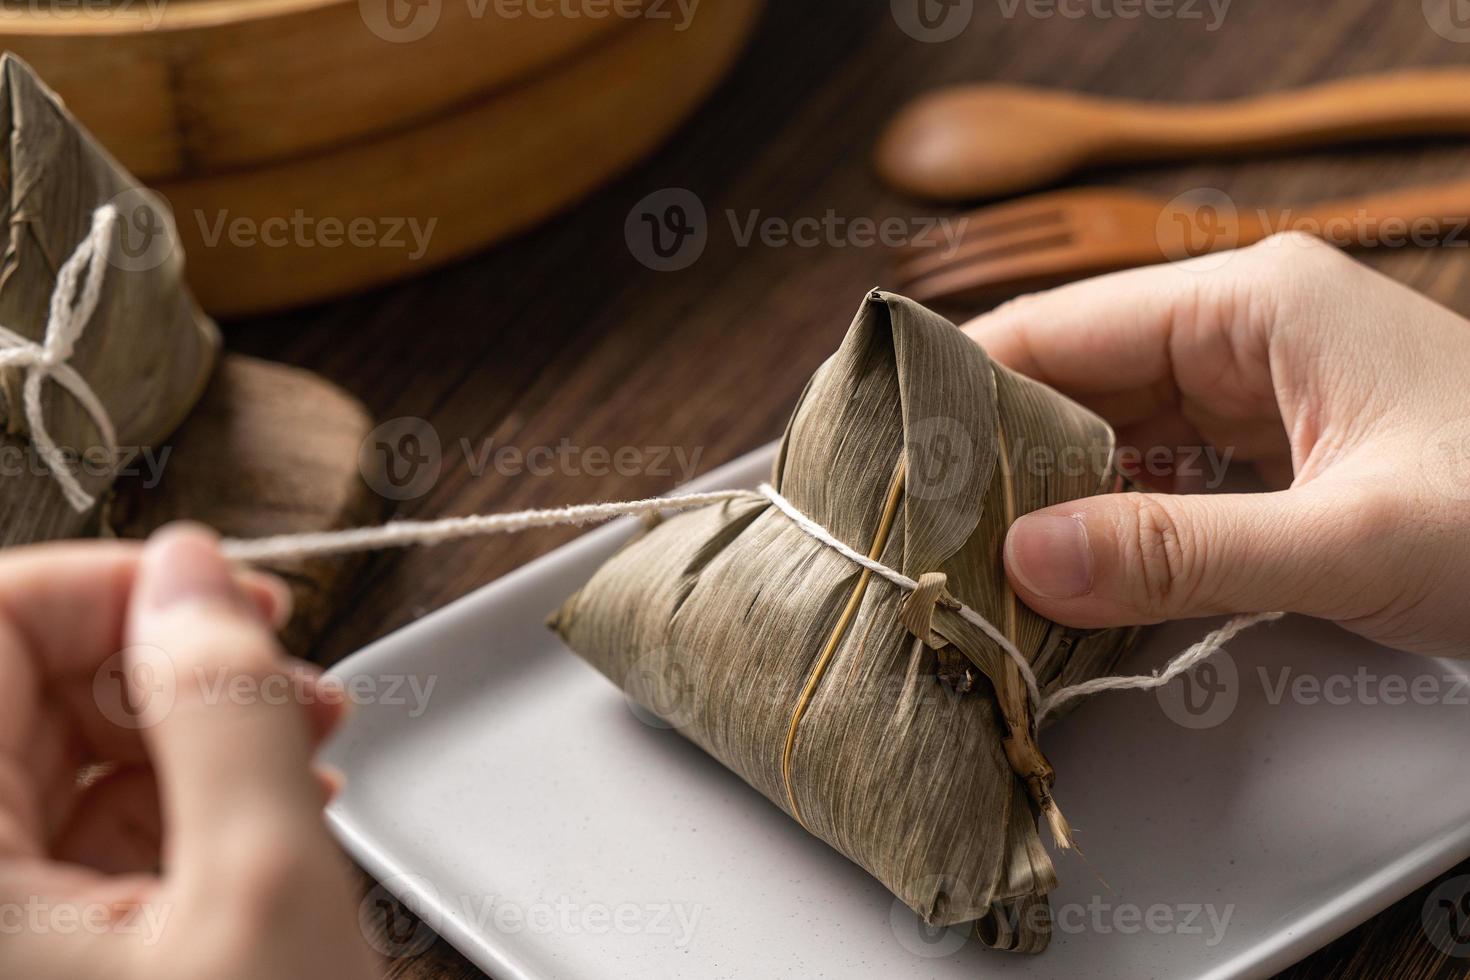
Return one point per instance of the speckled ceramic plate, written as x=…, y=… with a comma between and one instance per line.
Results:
x=1240, y=819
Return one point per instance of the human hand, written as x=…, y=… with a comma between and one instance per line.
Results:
x=216, y=788
x=1348, y=392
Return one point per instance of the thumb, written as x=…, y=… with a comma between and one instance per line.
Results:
x=1132, y=558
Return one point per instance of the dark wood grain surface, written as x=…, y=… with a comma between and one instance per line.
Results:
x=564, y=335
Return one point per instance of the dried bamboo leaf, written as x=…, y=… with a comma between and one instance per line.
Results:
x=890, y=727
x=148, y=350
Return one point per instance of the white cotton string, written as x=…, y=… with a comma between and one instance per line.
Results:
x=73, y=301
x=403, y=534
x=400, y=534
x=1206, y=648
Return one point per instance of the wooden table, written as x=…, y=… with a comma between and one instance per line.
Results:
x=564, y=335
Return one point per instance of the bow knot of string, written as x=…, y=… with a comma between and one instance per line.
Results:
x=73, y=301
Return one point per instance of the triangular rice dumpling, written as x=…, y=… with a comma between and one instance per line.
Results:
x=884, y=722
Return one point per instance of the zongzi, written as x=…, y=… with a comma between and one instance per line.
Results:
x=882, y=720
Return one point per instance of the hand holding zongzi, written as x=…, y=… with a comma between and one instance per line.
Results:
x=1348, y=392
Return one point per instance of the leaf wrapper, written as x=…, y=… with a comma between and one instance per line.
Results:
x=148, y=350
x=904, y=759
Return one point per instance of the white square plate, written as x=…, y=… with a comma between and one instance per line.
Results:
x=506, y=791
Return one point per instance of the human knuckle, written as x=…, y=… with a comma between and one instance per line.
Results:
x=1291, y=257
x=1160, y=554
x=1374, y=516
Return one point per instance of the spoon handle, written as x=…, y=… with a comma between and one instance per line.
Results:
x=1383, y=106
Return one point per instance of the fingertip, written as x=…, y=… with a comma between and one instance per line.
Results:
x=330, y=780
x=326, y=703
x=272, y=596
x=181, y=563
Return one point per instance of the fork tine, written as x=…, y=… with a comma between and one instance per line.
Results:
x=996, y=219
x=978, y=251
x=1009, y=274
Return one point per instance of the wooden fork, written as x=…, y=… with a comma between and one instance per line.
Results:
x=1047, y=239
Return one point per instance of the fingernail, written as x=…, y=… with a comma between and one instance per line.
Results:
x=1050, y=555
x=181, y=564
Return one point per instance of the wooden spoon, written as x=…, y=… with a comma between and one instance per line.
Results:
x=974, y=141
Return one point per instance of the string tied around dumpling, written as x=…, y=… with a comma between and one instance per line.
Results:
x=73, y=301
x=398, y=534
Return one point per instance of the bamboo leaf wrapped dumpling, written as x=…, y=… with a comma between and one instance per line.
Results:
x=887, y=724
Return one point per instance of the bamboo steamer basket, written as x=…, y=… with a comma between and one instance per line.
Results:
x=177, y=88
x=481, y=173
